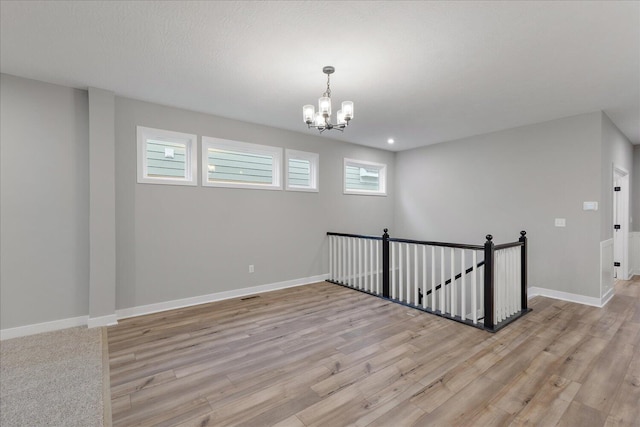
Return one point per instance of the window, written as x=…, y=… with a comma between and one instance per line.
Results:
x=362, y=177
x=302, y=170
x=236, y=164
x=166, y=157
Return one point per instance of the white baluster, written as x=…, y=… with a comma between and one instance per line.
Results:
x=331, y=253
x=498, y=288
x=400, y=275
x=518, y=278
x=474, y=283
x=393, y=270
x=481, y=287
x=416, y=284
x=506, y=285
x=452, y=291
x=511, y=282
x=515, y=284
x=370, y=266
x=378, y=243
x=348, y=269
x=365, y=242
x=372, y=263
x=408, y=284
x=443, y=307
x=501, y=269
x=340, y=259
x=360, y=267
x=463, y=290
x=434, y=301
x=424, y=276
x=370, y=271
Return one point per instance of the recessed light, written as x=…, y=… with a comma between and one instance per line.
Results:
x=390, y=141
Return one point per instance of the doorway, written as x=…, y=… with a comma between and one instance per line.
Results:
x=621, y=223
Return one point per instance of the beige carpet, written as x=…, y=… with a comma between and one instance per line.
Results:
x=52, y=379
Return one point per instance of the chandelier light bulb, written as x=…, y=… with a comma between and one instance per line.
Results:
x=320, y=122
x=347, y=110
x=308, y=114
x=324, y=105
x=340, y=116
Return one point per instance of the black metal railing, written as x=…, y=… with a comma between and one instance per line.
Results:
x=502, y=286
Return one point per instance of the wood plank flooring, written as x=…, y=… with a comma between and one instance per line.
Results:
x=325, y=355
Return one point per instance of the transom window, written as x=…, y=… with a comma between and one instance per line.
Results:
x=234, y=164
x=362, y=177
x=302, y=170
x=166, y=157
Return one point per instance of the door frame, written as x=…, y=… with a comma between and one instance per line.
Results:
x=620, y=215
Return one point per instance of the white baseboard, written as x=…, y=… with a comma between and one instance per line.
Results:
x=607, y=297
x=112, y=319
x=218, y=296
x=37, y=328
x=566, y=296
x=109, y=320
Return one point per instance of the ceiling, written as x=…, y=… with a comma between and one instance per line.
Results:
x=418, y=72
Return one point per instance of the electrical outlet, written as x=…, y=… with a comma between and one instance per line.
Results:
x=251, y=269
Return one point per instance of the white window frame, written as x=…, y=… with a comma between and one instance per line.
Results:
x=314, y=162
x=243, y=147
x=382, y=178
x=191, y=156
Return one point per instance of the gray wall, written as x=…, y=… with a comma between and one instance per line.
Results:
x=44, y=202
x=616, y=149
x=504, y=182
x=635, y=188
x=178, y=241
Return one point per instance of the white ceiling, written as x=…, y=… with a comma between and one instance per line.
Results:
x=420, y=72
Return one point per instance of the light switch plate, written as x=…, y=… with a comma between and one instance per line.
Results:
x=561, y=222
x=589, y=206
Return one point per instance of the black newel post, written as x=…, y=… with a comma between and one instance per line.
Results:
x=488, y=284
x=385, y=263
x=523, y=269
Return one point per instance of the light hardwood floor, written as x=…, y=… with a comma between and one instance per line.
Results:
x=328, y=356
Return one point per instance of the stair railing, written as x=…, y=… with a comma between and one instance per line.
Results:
x=445, y=279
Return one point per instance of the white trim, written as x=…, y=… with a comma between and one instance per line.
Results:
x=606, y=297
x=314, y=167
x=606, y=259
x=109, y=320
x=566, y=296
x=191, y=156
x=382, y=177
x=621, y=177
x=37, y=328
x=218, y=296
x=634, y=252
x=209, y=142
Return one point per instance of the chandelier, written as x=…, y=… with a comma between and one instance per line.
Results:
x=321, y=119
